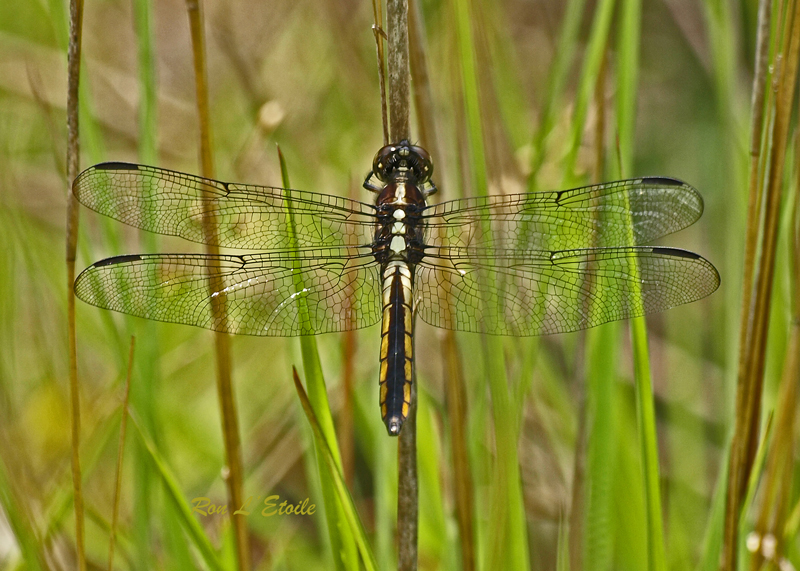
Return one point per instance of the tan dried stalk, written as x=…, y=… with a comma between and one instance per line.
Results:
x=233, y=472
x=73, y=166
x=759, y=272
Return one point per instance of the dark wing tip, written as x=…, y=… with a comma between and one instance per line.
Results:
x=117, y=260
x=715, y=281
x=663, y=180
x=674, y=182
x=677, y=253
x=86, y=293
x=110, y=166
x=115, y=166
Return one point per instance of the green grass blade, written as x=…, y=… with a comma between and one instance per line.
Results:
x=144, y=392
x=627, y=83
x=508, y=547
x=595, y=52
x=174, y=494
x=557, y=82
x=627, y=69
x=648, y=440
x=343, y=543
x=562, y=547
x=629, y=514
x=601, y=446
x=332, y=465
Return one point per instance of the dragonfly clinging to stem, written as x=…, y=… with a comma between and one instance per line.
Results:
x=519, y=264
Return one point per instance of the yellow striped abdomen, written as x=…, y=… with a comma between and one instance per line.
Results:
x=396, y=345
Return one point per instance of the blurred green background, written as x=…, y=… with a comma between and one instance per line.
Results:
x=302, y=74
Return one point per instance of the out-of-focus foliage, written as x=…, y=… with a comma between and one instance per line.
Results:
x=303, y=74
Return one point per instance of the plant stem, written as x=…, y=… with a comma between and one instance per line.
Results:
x=227, y=401
x=397, y=64
x=73, y=162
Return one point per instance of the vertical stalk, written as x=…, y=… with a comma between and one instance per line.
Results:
x=777, y=480
x=230, y=424
x=581, y=499
x=643, y=379
x=330, y=465
x=755, y=318
x=756, y=130
x=379, y=34
x=627, y=88
x=145, y=391
x=343, y=546
x=590, y=536
x=397, y=64
x=73, y=162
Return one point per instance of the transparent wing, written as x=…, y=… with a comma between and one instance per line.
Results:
x=279, y=294
x=247, y=216
x=506, y=292
x=626, y=212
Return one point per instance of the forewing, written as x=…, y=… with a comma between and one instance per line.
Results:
x=247, y=216
x=279, y=294
x=506, y=292
x=622, y=213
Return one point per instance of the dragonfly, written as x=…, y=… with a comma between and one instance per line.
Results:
x=515, y=264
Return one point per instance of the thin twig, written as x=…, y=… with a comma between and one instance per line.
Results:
x=398, y=68
x=408, y=485
x=230, y=425
x=73, y=162
x=380, y=36
x=399, y=129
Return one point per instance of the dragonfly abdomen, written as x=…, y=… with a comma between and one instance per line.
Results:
x=396, y=345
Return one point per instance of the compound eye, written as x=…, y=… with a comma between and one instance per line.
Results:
x=424, y=164
x=402, y=156
x=383, y=162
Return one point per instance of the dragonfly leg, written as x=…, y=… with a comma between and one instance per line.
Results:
x=371, y=186
x=428, y=189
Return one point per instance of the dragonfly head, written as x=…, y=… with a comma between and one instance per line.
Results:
x=403, y=160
